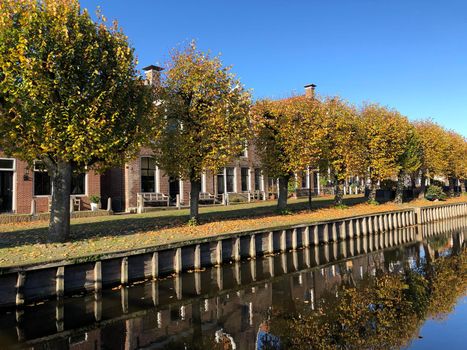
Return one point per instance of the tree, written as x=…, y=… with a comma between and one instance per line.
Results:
x=434, y=148
x=287, y=135
x=456, y=158
x=69, y=94
x=342, y=150
x=411, y=158
x=202, y=118
x=383, y=142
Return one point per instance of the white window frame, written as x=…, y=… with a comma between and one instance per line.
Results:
x=156, y=176
x=203, y=181
x=13, y=168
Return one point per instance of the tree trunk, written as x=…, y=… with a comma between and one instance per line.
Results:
x=421, y=194
x=194, y=199
x=372, y=195
x=59, y=225
x=283, y=192
x=310, y=174
x=452, y=183
x=339, y=196
x=400, y=188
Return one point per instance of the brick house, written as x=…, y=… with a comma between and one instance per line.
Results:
x=240, y=177
x=20, y=184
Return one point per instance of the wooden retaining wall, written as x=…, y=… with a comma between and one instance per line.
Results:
x=25, y=284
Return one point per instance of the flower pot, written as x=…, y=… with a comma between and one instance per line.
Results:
x=94, y=206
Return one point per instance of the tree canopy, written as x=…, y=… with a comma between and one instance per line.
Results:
x=202, y=117
x=70, y=94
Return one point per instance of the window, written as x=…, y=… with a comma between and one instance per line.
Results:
x=148, y=174
x=258, y=179
x=230, y=172
x=7, y=164
x=42, y=181
x=244, y=152
x=78, y=184
x=220, y=183
x=245, y=179
x=303, y=177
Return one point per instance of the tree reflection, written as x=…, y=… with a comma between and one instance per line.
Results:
x=380, y=312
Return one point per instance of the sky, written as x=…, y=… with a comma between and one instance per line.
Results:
x=410, y=55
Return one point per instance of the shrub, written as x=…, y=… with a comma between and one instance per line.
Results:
x=373, y=202
x=434, y=193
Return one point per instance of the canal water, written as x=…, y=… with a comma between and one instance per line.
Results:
x=403, y=289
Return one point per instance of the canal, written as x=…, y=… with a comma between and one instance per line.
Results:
x=400, y=289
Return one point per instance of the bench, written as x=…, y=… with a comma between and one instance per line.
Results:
x=151, y=198
x=208, y=197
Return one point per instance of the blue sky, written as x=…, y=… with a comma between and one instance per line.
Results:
x=406, y=54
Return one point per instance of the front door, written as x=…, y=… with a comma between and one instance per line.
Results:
x=174, y=188
x=6, y=191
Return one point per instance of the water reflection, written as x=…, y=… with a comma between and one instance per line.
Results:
x=371, y=292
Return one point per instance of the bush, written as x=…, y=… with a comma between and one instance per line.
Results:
x=434, y=193
x=373, y=202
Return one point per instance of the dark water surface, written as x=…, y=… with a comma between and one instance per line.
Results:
x=402, y=289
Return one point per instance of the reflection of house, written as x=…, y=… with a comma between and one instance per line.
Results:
x=20, y=184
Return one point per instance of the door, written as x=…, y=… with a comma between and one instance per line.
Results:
x=174, y=188
x=6, y=191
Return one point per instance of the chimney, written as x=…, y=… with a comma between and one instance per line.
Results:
x=310, y=90
x=153, y=74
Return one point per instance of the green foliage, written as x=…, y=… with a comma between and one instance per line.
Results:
x=385, y=133
x=193, y=221
x=292, y=186
x=285, y=212
x=94, y=199
x=287, y=134
x=202, y=120
x=435, y=193
x=69, y=89
x=341, y=206
x=373, y=202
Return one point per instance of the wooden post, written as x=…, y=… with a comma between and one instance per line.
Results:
x=294, y=239
x=305, y=236
x=252, y=246
x=197, y=257
x=218, y=253
x=20, y=282
x=271, y=242
x=236, y=249
x=124, y=271
x=33, y=207
x=283, y=241
x=98, y=276
x=177, y=264
x=198, y=283
x=60, y=282
x=155, y=265
x=109, y=205
x=315, y=235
